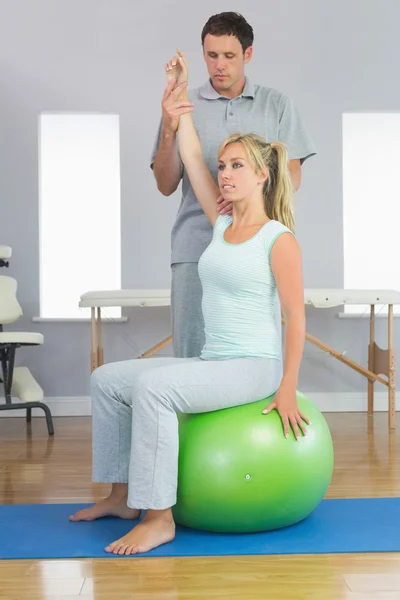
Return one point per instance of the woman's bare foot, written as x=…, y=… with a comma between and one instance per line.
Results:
x=114, y=505
x=157, y=528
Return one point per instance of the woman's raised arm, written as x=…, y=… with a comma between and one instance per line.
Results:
x=203, y=184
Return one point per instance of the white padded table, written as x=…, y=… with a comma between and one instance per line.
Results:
x=380, y=361
x=126, y=298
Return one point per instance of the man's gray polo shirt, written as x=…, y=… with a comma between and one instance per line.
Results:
x=258, y=109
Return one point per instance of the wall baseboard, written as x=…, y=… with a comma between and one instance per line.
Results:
x=80, y=406
x=60, y=406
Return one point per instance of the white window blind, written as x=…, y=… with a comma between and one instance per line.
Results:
x=80, y=214
x=371, y=195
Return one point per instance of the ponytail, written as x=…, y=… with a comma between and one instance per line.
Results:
x=278, y=187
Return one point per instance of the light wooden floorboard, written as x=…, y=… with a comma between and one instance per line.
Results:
x=37, y=469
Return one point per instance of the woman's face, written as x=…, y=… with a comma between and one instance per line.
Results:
x=236, y=176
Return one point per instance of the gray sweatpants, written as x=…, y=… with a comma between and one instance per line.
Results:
x=135, y=405
x=187, y=318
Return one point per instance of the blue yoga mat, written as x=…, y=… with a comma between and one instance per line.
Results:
x=336, y=526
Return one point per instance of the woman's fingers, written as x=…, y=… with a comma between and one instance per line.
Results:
x=177, y=65
x=293, y=423
x=286, y=426
x=270, y=407
x=290, y=420
x=171, y=63
x=182, y=57
x=301, y=423
x=296, y=421
x=284, y=417
x=303, y=416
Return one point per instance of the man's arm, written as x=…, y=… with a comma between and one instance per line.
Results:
x=295, y=173
x=166, y=167
x=293, y=133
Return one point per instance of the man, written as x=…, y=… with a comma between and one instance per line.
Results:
x=226, y=103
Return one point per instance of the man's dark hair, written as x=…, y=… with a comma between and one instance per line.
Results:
x=229, y=23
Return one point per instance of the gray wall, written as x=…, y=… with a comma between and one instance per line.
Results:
x=97, y=55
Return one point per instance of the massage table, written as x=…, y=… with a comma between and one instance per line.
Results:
x=380, y=361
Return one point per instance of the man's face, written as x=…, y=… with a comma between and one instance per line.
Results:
x=225, y=61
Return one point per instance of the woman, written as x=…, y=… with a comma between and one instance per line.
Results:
x=252, y=258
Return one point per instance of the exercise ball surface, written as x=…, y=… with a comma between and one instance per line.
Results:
x=238, y=472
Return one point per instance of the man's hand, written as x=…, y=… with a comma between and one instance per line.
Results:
x=177, y=68
x=173, y=107
x=224, y=207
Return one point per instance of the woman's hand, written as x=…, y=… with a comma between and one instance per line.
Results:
x=285, y=402
x=175, y=102
x=176, y=69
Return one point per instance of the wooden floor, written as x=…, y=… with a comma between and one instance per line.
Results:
x=37, y=469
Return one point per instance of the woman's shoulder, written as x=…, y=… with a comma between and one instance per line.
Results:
x=278, y=226
x=273, y=228
x=272, y=232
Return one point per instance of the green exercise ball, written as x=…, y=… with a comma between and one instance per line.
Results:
x=238, y=473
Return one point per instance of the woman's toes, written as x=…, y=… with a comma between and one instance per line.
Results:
x=112, y=546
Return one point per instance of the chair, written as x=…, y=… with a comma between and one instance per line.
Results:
x=17, y=381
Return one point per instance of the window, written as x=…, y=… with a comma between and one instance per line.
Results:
x=371, y=203
x=79, y=212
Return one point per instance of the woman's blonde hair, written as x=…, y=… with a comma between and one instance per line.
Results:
x=273, y=156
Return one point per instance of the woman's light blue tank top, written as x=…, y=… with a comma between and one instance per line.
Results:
x=239, y=295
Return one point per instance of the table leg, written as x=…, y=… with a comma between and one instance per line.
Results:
x=100, y=352
x=156, y=348
x=371, y=360
x=391, y=371
x=94, y=354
